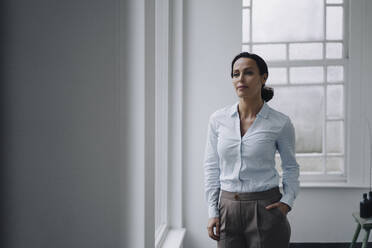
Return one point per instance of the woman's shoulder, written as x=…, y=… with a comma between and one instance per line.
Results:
x=223, y=112
x=278, y=116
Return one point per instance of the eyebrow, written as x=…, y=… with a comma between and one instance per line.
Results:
x=245, y=68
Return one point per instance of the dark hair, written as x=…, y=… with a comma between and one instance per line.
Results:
x=266, y=92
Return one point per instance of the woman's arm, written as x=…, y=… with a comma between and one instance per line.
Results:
x=286, y=147
x=212, y=170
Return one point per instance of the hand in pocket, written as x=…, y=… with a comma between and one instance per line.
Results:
x=280, y=205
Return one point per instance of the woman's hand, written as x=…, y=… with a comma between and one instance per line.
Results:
x=284, y=208
x=214, y=222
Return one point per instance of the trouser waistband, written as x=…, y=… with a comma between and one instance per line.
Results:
x=250, y=196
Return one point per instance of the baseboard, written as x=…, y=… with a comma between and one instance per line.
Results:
x=326, y=245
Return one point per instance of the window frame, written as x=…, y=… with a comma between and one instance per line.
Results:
x=161, y=120
x=169, y=119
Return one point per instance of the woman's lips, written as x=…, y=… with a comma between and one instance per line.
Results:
x=242, y=87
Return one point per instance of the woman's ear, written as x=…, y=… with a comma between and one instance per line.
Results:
x=264, y=77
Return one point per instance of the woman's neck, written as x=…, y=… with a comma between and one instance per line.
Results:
x=248, y=108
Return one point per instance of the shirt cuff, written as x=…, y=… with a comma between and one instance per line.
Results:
x=288, y=199
x=213, y=212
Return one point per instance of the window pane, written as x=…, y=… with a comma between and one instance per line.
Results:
x=277, y=76
x=246, y=24
x=246, y=3
x=334, y=23
x=299, y=20
x=245, y=48
x=334, y=50
x=278, y=163
x=335, y=137
x=304, y=105
x=307, y=164
x=300, y=75
x=335, y=73
x=310, y=164
x=334, y=1
x=271, y=52
x=335, y=165
x=335, y=98
x=306, y=51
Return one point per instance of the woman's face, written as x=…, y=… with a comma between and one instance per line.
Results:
x=246, y=79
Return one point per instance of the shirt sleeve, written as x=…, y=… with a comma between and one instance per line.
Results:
x=286, y=147
x=212, y=170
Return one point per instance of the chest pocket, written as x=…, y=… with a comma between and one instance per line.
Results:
x=259, y=145
x=262, y=137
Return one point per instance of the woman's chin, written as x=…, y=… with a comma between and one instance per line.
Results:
x=241, y=94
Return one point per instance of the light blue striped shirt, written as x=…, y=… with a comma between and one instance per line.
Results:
x=247, y=164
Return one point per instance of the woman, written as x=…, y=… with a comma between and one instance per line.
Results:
x=245, y=206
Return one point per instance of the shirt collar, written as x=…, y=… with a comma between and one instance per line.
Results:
x=264, y=111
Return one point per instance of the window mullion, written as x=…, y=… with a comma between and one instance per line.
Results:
x=251, y=26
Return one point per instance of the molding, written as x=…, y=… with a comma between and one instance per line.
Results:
x=330, y=185
x=149, y=120
x=174, y=238
x=161, y=118
x=175, y=192
x=355, y=161
x=136, y=105
x=161, y=236
x=333, y=185
x=365, y=82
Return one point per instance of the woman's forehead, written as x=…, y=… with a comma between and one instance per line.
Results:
x=244, y=63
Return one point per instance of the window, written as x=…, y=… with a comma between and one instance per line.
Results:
x=305, y=46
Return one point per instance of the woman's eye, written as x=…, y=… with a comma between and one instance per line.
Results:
x=245, y=73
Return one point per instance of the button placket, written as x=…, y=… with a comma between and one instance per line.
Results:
x=237, y=129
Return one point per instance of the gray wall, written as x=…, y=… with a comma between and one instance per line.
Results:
x=212, y=38
x=75, y=85
x=60, y=169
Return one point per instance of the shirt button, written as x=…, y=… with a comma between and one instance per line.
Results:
x=236, y=197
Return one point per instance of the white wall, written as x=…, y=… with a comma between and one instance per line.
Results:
x=212, y=38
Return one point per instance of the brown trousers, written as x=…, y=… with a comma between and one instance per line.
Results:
x=246, y=223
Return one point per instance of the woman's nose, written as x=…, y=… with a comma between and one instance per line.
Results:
x=240, y=77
